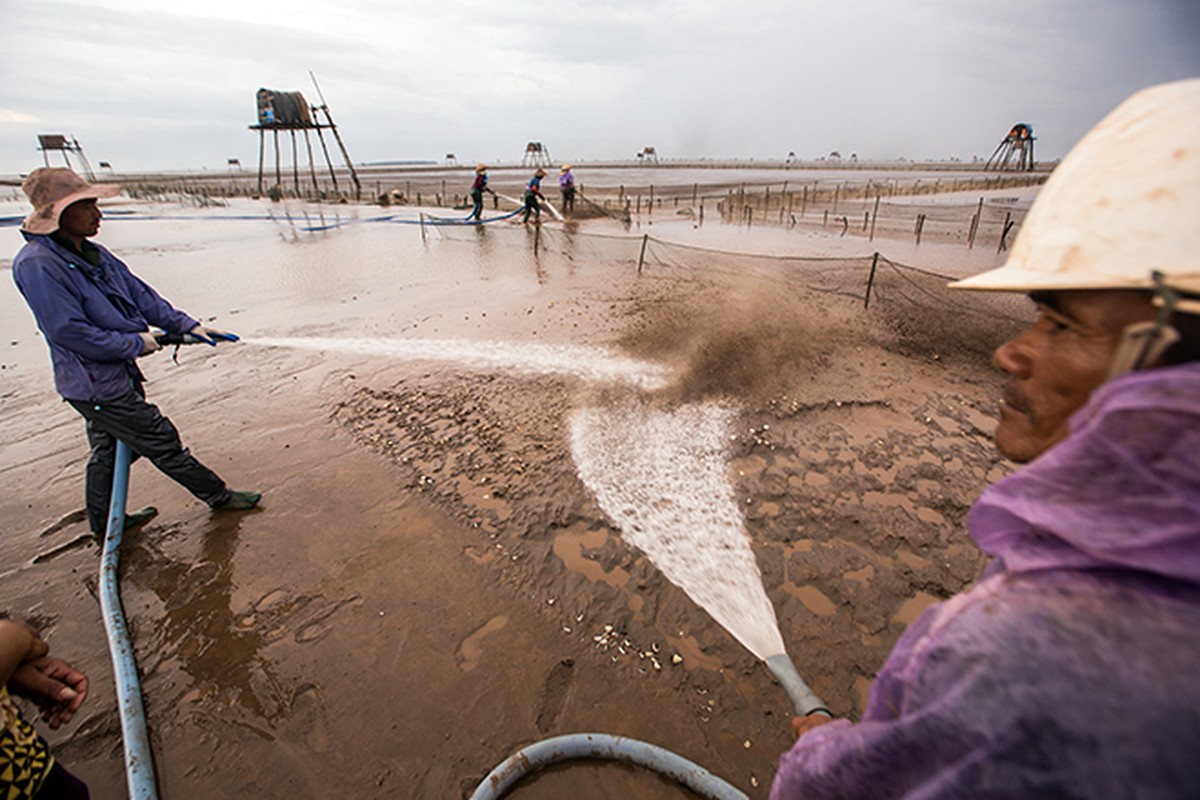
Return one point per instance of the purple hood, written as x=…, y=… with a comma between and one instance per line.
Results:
x=1123, y=491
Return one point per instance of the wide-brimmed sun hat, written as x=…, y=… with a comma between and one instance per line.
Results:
x=565, y=168
x=51, y=189
x=481, y=168
x=541, y=173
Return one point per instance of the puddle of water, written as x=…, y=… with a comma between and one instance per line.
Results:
x=813, y=599
x=861, y=576
x=913, y=606
x=471, y=649
x=570, y=546
x=693, y=656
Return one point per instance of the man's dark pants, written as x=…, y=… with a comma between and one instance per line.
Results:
x=148, y=433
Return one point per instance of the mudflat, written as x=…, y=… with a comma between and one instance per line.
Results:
x=429, y=585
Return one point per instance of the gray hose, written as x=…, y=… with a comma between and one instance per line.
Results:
x=802, y=697
x=603, y=746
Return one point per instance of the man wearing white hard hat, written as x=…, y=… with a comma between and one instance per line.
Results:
x=1070, y=668
x=96, y=316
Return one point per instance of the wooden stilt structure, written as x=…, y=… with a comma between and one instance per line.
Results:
x=536, y=155
x=59, y=143
x=289, y=111
x=1015, y=151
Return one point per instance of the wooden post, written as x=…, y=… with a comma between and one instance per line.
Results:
x=328, y=163
x=975, y=220
x=702, y=213
x=870, y=281
x=422, y=218
x=262, y=139
x=874, y=217
x=920, y=226
x=695, y=191
x=295, y=165
x=1008, y=226
x=804, y=201
x=278, y=178
x=312, y=167
x=537, y=235
x=642, y=255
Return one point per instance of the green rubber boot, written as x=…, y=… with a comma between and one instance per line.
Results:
x=240, y=501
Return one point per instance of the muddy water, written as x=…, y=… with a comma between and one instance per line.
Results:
x=428, y=584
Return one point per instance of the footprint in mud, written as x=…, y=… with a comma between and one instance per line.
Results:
x=318, y=623
x=78, y=517
x=83, y=540
x=74, y=518
x=554, y=695
x=470, y=651
x=307, y=713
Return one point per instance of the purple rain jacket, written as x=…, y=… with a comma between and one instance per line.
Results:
x=1072, y=669
x=91, y=316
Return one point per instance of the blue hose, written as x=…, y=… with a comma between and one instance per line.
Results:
x=139, y=763
x=607, y=747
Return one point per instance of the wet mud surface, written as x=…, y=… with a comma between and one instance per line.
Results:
x=429, y=585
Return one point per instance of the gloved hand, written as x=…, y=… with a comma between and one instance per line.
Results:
x=205, y=333
x=149, y=343
x=802, y=725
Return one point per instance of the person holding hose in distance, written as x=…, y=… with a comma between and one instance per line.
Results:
x=533, y=193
x=96, y=317
x=1070, y=668
x=478, y=187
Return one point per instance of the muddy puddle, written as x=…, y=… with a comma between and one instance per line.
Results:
x=429, y=584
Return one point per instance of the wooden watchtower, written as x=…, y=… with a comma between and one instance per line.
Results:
x=536, y=155
x=1015, y=151
x=59, y=143
x=290, y=112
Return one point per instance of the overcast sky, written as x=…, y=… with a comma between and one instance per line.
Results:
x=162, y=84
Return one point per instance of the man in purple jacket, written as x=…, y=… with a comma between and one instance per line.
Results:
x=1070, y=670
x=96, y=317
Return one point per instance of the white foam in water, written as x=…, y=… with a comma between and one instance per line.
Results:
x=661, y=477
x=585, y=363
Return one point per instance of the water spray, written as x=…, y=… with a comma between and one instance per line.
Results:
x=660, y=476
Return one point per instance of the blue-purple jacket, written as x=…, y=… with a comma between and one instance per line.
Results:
x=90, y=316
x=1070, y=670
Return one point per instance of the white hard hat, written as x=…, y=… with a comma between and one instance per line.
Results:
x=1123, y=204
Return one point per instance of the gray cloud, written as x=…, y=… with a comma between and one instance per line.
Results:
x=149, y=85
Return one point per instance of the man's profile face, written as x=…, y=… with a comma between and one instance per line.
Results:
x=1056, y=363
x=81, y=219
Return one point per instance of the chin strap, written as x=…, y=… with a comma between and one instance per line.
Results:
x=1143, y=343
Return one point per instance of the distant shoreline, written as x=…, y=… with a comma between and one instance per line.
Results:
x=379, y=168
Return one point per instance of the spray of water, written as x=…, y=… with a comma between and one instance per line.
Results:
x=661, y=477
x=659, y=474
x=590, y=364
